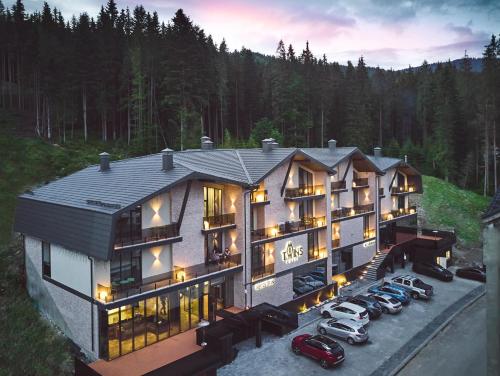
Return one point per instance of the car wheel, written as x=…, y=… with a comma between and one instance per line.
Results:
x=322, y=331
x=385, y=310
x=326, y=314
x=414, y=295
x=296, y=351
x=350, y=341
x=324, y=364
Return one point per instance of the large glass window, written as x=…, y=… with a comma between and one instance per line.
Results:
x=342, y=261
x=46, y=270
x=306, y=209
x=213, y=246
x=212, y=200
x=313, y=245
x=305, y=178
x=126, y=268
x=129, y=226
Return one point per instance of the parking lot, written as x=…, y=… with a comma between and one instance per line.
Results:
x=392, y=338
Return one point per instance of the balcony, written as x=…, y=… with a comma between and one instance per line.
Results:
x=335, y=243
x=403, y=190
x=360, y=183
x=339, y=186
x=178, y=275
x=125, y=239
x=218, y=222
x=368, y=234
x=259, y=197
x=287, y=228
x=398, y=213
x=344, y=213
x=304, y=192
x=262, y=271
x=317, y=253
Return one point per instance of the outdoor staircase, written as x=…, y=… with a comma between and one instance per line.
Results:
x=370, y=272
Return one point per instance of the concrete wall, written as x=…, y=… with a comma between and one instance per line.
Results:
x=156, y=212
x=491, y=237
x=362, y=253
x=279, y=293
x=70, y=313
x=70, y=268
x=351, y=231
x=156, y=260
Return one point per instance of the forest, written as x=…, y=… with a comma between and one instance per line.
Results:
x=126, y=77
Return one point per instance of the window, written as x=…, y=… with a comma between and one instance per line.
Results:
x=46, y=259
x=129, y=226
x=305, y=178
x=306, y=209
x=126, y=268
x=212, y=201
x=313, y=245
x=366, y=226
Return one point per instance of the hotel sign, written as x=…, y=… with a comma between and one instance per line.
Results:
x=264, y=284
x=369, y=243
x=291, y=254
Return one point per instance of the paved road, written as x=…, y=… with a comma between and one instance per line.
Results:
x=460, y=349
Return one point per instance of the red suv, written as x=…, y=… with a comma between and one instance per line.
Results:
x=318, y=347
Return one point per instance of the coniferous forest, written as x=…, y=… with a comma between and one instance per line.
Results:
x=125, y=77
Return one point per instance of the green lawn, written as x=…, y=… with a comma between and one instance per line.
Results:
x=446, y=205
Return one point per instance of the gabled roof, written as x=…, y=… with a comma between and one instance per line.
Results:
x=385, y=163
x=333, y=159
x=493, y=210
x=259, y=164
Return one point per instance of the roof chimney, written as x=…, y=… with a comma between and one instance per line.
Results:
x=167, y=158
x=406, y=159
x=274, y=145
x=377, y=152
x=206, y=143
x=104, y=161
x=332, y=145
x=267, y=144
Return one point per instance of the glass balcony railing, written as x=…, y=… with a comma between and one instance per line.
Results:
x=398, y=213
x=127, y=238
x=262, y=271
x=349, y=212
x=317, y=253
x=178, y=275
x=257, y=197
x=217, y=221
x=360, y=183
x=338, y=185
x=304, y=191
x=403, y=189
x=287, y=228
x=335, y=243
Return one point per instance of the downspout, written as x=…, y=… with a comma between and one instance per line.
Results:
x=92, y=302
x=245, y=283
x=377, y=213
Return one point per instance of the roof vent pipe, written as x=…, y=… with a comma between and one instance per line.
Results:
x=274, y=145
x=406, y=159
x=332, y=145
x=266, y=145
x=203, y=139
x=167, y=158
x=207, y=145
x=104, y=161
x=377, y=152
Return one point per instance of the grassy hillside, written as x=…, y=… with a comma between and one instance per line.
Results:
x=447, y=206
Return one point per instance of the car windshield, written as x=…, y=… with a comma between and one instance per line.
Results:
x=393, y=301
x=362, y=330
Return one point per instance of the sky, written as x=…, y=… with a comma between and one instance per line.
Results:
x=387, y=33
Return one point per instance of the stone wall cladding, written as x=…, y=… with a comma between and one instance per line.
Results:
x=70, y=313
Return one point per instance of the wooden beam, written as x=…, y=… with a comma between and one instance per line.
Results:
x=184, y=202
x=286, y=176
x=347, y=169
x=392, y=181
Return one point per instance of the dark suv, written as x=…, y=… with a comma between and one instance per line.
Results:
x=372, y=306
x=433, y=270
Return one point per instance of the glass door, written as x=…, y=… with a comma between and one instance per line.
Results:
x=212, y=198
x=184, y=305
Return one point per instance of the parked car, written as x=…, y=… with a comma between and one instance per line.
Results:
x=345, y=310
x=433, y=270
x=319, y=347
x=311, y=281
x=475, y=273
x=318, y=276
x=415, y=286
x=300, y=287
x=389, y=304
x=370, y=304
x=393, y=292
x=346, y=329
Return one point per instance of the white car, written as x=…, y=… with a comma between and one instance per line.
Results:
x=389, y=304
x=345, y=310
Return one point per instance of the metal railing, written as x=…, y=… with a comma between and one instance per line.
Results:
x=287, y=228
x=403, y=189
x=317, y=253
x=258, y=196
x=368, y=234
x=338, y=185
x=178, y=275
x=398, y=213
x=126, y=238
x=216, y=221
x=262, y=271
x=305, y=190
x=361, y=182
x=355, y=210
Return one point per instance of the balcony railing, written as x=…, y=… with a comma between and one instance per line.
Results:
x=317, y=253
x=349, y=212
x=404, y=189
x=262, y=271
x=335, y=243
x=338, y=185
x=398, y=213
x=126, y=238
x=178, y=275
x=287, y=228
x=360, y=183
x=258, y=197
x=304, y=191
x=217, y=221
x=368, y=234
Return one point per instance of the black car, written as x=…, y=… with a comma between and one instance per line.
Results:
x=372, y=306
x=433, y=270
x=475, y=273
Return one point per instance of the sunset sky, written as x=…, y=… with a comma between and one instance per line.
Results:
x=388, y=33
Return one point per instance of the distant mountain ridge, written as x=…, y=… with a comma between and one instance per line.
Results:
x=476, y=63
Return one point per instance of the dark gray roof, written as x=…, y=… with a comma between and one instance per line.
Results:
x=385, y=163
x=327, y=157
x=494, y=207
x=259, y=164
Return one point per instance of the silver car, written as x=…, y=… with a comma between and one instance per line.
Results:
x=388, y=303
x=346, y=329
